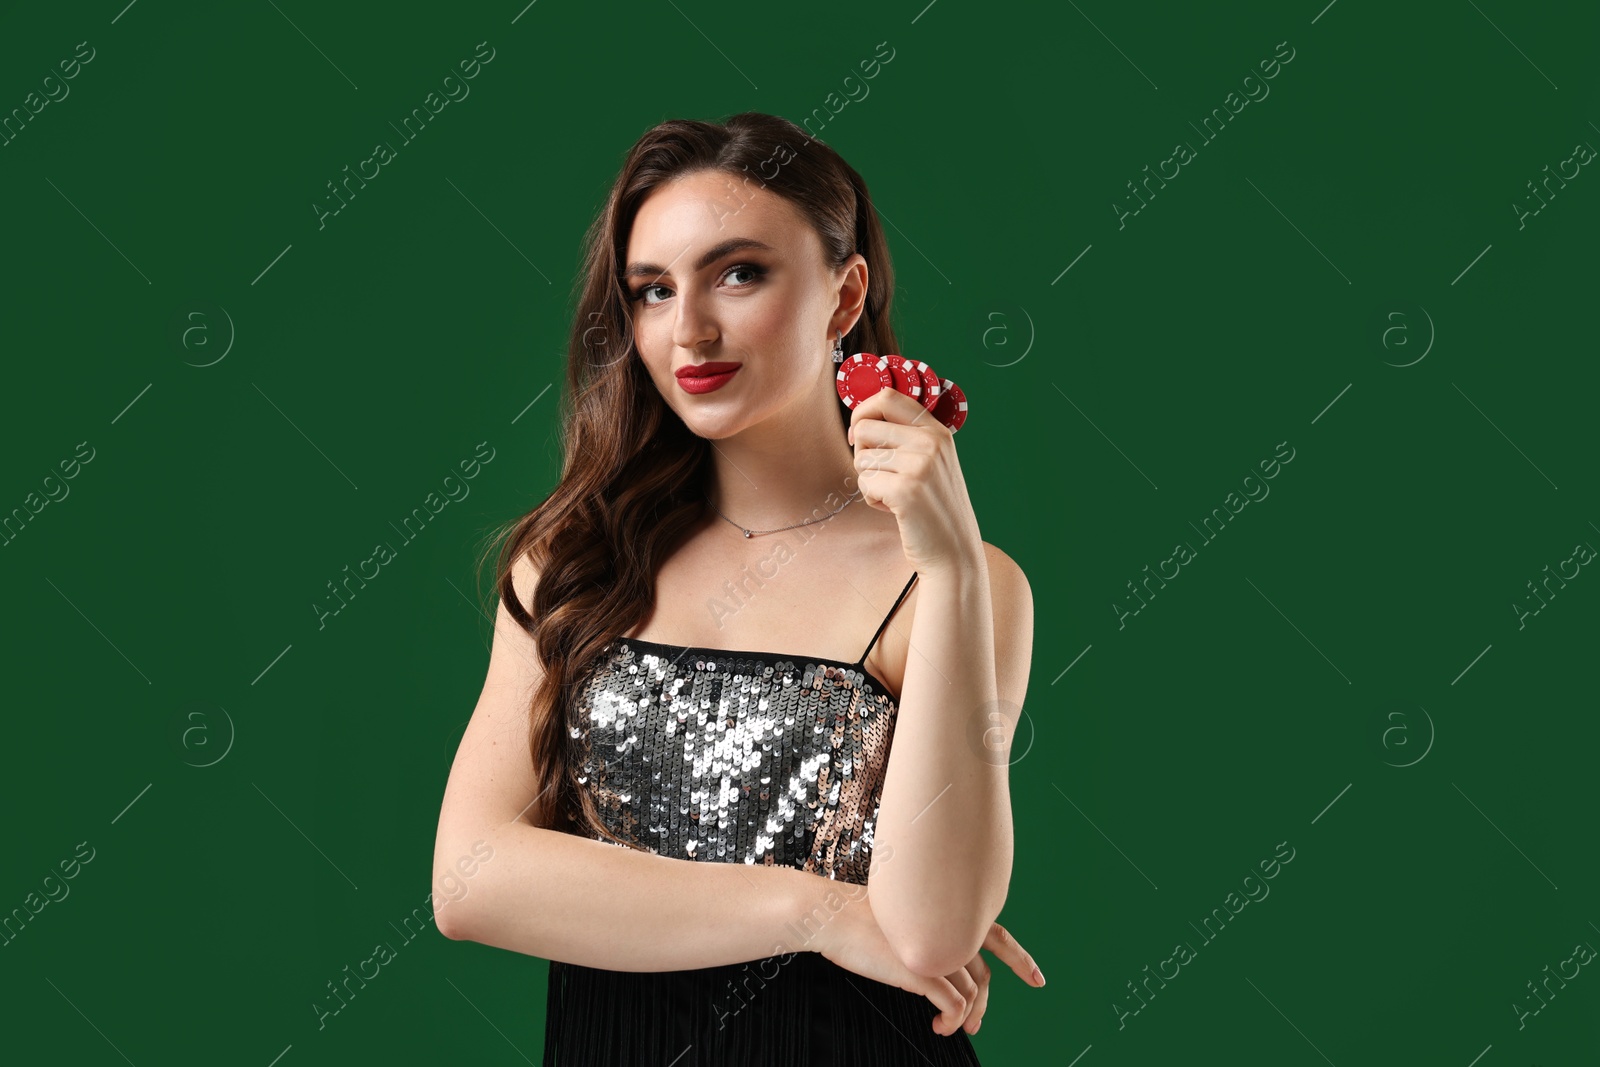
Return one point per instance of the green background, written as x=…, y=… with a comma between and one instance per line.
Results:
x=1359, y=617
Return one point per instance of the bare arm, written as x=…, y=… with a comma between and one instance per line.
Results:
x=946, y=807
x=502, y=880
x=561, y=897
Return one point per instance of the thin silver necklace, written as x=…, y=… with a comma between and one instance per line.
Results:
x=752, y=533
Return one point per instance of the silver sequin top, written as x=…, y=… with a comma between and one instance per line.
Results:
x=732, y=756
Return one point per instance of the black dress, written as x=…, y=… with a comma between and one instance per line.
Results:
x=726, y=756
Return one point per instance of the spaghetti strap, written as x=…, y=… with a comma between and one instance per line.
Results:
x=882, y=625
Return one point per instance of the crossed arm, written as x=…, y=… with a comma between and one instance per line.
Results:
x=945, y=808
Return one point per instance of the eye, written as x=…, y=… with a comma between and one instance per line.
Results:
x=746, y=268
x=754, y=271
x=641, y=294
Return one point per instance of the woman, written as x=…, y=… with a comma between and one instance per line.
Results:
x=705, y=508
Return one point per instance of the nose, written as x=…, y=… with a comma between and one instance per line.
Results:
x=694, y=324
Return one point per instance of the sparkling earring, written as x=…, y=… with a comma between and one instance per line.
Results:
x=838, y=347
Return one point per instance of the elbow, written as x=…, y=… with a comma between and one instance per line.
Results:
x=449, y=922
x=450, y=913
x=936, y=947
x=936, y=954
x=458, y=887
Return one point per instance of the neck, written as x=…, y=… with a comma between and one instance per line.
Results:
x=761, y=480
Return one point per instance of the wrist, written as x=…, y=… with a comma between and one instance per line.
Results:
x=811, y=909
x=791, y=906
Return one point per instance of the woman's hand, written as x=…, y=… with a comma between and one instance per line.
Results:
x=906, y=462
x=852, y=939
x=1003, y=945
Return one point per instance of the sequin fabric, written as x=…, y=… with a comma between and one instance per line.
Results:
x=730, y=756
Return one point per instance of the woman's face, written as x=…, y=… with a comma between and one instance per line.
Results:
x=725, y=276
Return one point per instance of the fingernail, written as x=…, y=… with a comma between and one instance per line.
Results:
x=1038, y=976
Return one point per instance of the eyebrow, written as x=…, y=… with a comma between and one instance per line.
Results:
x=712, y=254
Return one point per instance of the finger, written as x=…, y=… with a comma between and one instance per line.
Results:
x=879, y=433
x=876, y=459
x=908, y=411
x=951, y=1004
x=980, y=1003
x=1002, y=944
x=966, y=985
x=867, y=409
x=890, y=405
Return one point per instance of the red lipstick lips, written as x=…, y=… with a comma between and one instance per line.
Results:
x=705, y=377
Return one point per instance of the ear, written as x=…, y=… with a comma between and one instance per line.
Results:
x=851, y=279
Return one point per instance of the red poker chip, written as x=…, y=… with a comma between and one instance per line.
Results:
x=861, y=375
x=907, y=378
x=930, y=385
x=951, y=407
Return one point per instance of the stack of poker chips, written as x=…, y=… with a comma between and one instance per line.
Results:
x=863, y=374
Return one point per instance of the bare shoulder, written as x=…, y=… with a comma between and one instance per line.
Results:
x=524, y=580
x=1011, y=602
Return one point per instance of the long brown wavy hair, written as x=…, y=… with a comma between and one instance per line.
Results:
x=633, y=476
